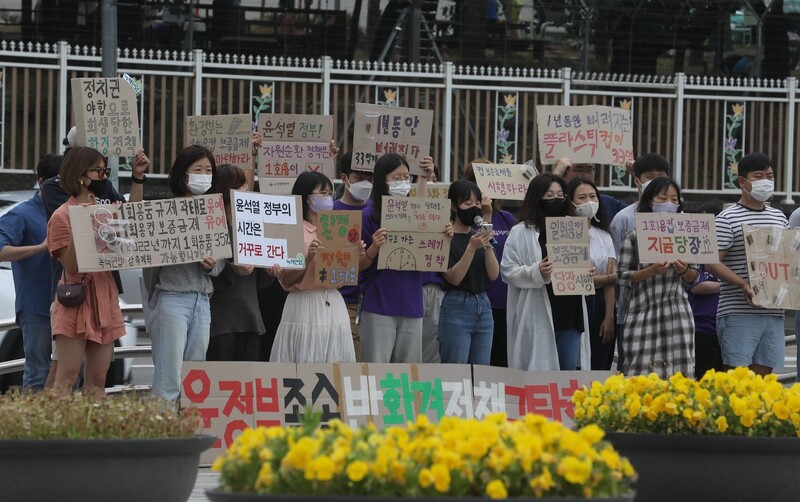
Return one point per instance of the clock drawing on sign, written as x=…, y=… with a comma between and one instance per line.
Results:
x=401, y=259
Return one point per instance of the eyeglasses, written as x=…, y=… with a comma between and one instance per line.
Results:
x=103, y=172
x=401, y=178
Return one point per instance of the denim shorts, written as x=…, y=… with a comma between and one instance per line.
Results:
x=752, y=339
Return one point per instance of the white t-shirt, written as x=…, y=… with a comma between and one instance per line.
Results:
x=601, y=248
x=623, y=222
x=794, y=219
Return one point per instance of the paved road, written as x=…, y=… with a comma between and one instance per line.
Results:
x=205, y=480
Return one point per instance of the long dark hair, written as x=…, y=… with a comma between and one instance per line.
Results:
x=462, y=190
x=530, y=212
x=383, y=166
x=185, y=158
x=655, y=188
x=601, y=218
x=306, y=183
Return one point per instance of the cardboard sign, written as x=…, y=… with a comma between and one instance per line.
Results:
x=414, y=214
x=435, y=190
x=106, y=117
x=416, y=240
x=388, y=129
x=502, y=181
x=666, y=236
x=773, y=264
x=568, y=249
x=150, y=233
x=229, y=137
x=292, y=144
x=268, y=230
x=233, y=396
x=585, y=134
x=339, y=233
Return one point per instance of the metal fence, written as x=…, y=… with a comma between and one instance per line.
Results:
x=702, y=125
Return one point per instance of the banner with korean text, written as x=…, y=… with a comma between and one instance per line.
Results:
x=502, y=181
x=568, y=249
x=390, y=129
x=690, y=237
x=339, y=234
x=106, y=117
x=773, y=264
x=416, y=239
x=229, y=137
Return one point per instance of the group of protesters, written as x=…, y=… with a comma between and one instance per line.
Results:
x=494, y=304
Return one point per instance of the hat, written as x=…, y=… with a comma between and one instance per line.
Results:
x=72, y=138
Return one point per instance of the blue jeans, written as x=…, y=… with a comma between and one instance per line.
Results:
x=466, y=327
x=179, y=330
x=37, y=342
x=568, y=345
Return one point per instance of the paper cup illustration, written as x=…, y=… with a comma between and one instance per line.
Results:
x=781, y=296
x=774, y=238
x=752, y=239
x=371, y=127
x=795, y=245
x=757, y=266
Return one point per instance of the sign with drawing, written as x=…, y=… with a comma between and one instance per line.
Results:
x=105, y=114
x=268, y=230
x=339, y=233
x=229, y=137
x=665, y=236
x=568, y=249
x=773, y=264
x=502, y=181
x=416, y=239
x=390, y=129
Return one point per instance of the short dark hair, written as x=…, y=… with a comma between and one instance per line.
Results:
x=469, y=170
x=345, y=163
x=462, y=190
x=650, y=162
x=530, y=212
x=385, y=164
x=76, y=162
x=601, y=218
x=306, y=183
x=49, y=166
x=753, y=162
x=228, y=177
x=656, y=187
x=185, y=158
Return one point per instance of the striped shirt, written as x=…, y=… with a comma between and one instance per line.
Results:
x=730, y=238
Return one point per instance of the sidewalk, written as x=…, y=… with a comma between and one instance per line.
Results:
x=205, y=480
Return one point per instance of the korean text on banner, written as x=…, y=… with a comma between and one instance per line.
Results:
x=339, y=234
x=292, y=144
x=502, y=181
x=416, y=239
x=568, y=249
x=106, y=116
x=229, y=137
x=773, y=264
x=150, y=233
x=585, y=134
x=435, y=190
x=268, y=230
x=666, y=236
x=388, y=129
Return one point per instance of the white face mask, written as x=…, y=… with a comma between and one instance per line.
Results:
x=644, y=185
x=199, y=184
x=399, y=188
x=360, y=190
x=587, y=209
x=762, y=190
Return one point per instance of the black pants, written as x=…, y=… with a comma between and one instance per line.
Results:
x=707, y=354
x=499, y=355
x=270, y=301
x=234, y=347
x=602, y=353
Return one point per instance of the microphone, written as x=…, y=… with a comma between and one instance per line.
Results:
x=480, y=224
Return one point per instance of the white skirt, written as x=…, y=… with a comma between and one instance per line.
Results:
x=315, y=328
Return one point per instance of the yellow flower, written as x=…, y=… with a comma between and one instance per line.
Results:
x=542, y=482
x=357, y=471
x=390, y=95
x=441, y=478
x=510, y=99
x=496, y=489
x=592, y=433
x=264, y=476
x=574, y=470
x=218, y=464
x=266, y=90
x=321, y=468
x=738, y=109
x=507, y=159
x=722, y=424
x=425, y=478
x=625, y=104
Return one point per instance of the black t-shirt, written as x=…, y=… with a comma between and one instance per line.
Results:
x=567, y=310
x=476, y=280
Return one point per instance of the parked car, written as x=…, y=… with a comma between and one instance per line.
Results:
x=11, y=338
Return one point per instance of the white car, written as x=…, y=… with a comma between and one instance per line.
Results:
x=11, y=337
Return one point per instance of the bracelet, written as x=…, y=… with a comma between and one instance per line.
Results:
x=681, y=273
x=139, y=181
x=366, y=253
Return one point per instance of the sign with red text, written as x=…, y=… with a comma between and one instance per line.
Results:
x=268, y=230
x=435, y=190
x=228, y=137
x=568, y=249
x=416, y=239
x=667, y=236
x=232, y=396
x=339, y=234
x=106, y=117
x=773, y=264
x=150, y=233
x=501, y=181
x=390, y=129
x=591, y=134
x=292, y=144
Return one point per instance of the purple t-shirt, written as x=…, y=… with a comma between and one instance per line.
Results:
x=432, y=278
x=502, y=221
x=350, y=293
x=389, y=292
x=704, y=307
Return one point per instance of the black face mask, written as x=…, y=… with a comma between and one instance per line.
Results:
x=98, y=187
x=553, y=207
x=467, y=216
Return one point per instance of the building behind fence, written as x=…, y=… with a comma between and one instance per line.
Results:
x=702, y=125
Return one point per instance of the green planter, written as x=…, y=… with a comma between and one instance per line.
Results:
x=217, y=496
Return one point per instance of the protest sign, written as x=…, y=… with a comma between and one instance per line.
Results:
x=229, y=137
x=150, y=233
x=232, y=396
x=502, y=181
x=416, y=239
x=773, y=264
x=339, y=234
x=389, y=129
x=667, y=236
x=435, y=190
x=268, y=230
x=585, y=134
x=292, y=144
x=568, y=249
x=106, y=117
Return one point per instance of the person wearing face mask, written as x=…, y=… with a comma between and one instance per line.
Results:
x=749, y=334
x=315, y=327
x=545, y=332
x=569, y=171
x=584, y=200
x=658, y=320
x=465, y=319
x=391, y=300
x=179, y=321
